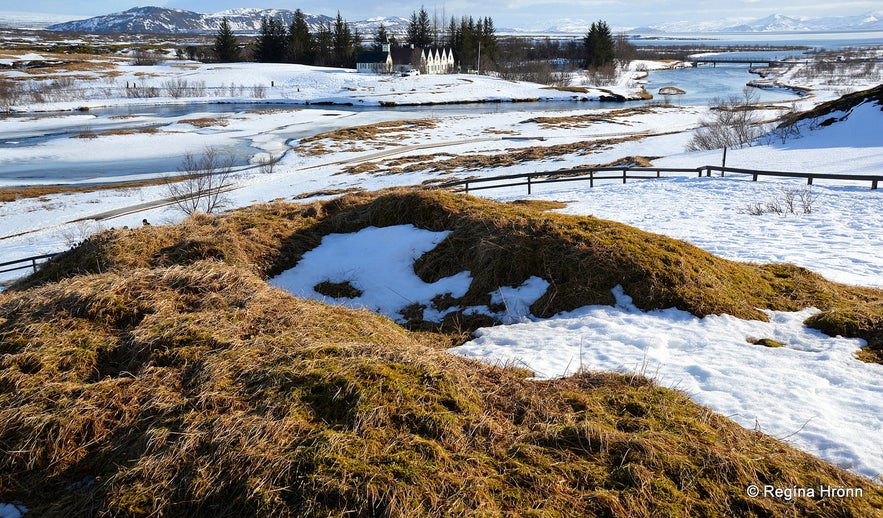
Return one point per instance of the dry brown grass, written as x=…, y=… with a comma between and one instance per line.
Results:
x=205, y=122
x=574, y=89
x=445, y=163
x=108, y=133
x=195, y=390
x=375, y=135
x=18, y=193
x=328, y=192
x=582, y=257
x=588, y=119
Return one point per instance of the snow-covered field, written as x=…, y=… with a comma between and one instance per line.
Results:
x=832, y=409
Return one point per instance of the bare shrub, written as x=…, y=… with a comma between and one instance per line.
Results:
x=146, y=58
x=268, y=163
x=79, y=232
x=143, y=92
x=202, y=185
x=785, y=205
x=807, y=200
x=259, y=91
x=733, y=124
x=183, y=88
x=10, y=94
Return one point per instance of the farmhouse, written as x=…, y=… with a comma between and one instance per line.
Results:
x=374, y=62
x=430, y=60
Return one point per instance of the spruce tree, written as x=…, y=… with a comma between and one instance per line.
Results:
x=598, y=46
x=381, y=38
x=420, y=29
x=300, y=41
x=342, y=40
x=271, y=44
x=226, y=46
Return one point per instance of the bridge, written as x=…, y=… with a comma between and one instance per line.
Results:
x=714, y=60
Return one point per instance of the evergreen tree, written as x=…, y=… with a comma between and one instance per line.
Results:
x=226, y=46
x=598, y=46
x=381, y=38
x=272, y=42
x=342, y=41
x=323, y=43
x=300, y=41
x=488, y=40
x=420, y=29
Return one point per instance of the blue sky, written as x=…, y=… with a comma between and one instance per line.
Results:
x=506, y=13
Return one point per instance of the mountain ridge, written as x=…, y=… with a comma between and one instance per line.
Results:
x=248, y=20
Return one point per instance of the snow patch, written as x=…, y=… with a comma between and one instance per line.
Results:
x=377, y=261
x=812, y=392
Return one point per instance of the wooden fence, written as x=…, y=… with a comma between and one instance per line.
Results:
x=27, y=262
x=595, y=174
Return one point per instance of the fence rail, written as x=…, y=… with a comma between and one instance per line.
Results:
x=594, y=174
x=31, y=263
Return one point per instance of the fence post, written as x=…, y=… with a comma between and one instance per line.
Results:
x=657, y=174
x=809, y=180
x=528, y=184
x=624, y=173
x=34, y=264
x=873, y=184
x=466, y=187
x=591, y=178
x=754, y=177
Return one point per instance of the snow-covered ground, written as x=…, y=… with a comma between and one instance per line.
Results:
x=832, y=409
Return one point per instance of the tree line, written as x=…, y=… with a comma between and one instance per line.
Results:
x=474, y=43
x=334, y=44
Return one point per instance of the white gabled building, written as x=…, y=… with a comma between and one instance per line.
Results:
x=430, y=60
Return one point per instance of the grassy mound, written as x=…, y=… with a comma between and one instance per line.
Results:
x=582, y=257
x=822, y=112
x=197, y=389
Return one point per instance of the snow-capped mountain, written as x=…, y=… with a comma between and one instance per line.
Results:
x=248, y=21
x=29, y=20
x=393, y=25
x=871, y=21
x=178, y=21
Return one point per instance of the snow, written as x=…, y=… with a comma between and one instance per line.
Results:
x=377, y=261
x=831, y=409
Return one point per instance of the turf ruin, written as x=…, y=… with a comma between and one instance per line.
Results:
x=153, y=371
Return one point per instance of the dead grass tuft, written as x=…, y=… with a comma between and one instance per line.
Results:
x=108, y=133
x=153, y=372
x=588, y=119
x=175, y=390
x=205, y=122
x=582, y=257
x=381, y=134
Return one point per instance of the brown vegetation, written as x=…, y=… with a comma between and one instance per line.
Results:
x=478, y=162
x=380, y=134
x=108, y=133
x=8, y=194
x=152, y=371
x=588, y=119
x=205, y=122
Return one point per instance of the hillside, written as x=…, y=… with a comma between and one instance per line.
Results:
x=153, y=371
x=161, y=20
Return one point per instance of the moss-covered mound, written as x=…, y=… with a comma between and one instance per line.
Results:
x=198, y=390
x=502, y=245
x=822, y=113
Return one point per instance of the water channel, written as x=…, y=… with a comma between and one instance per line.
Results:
x=702, y=86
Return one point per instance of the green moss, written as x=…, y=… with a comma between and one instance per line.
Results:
x=766, y=342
